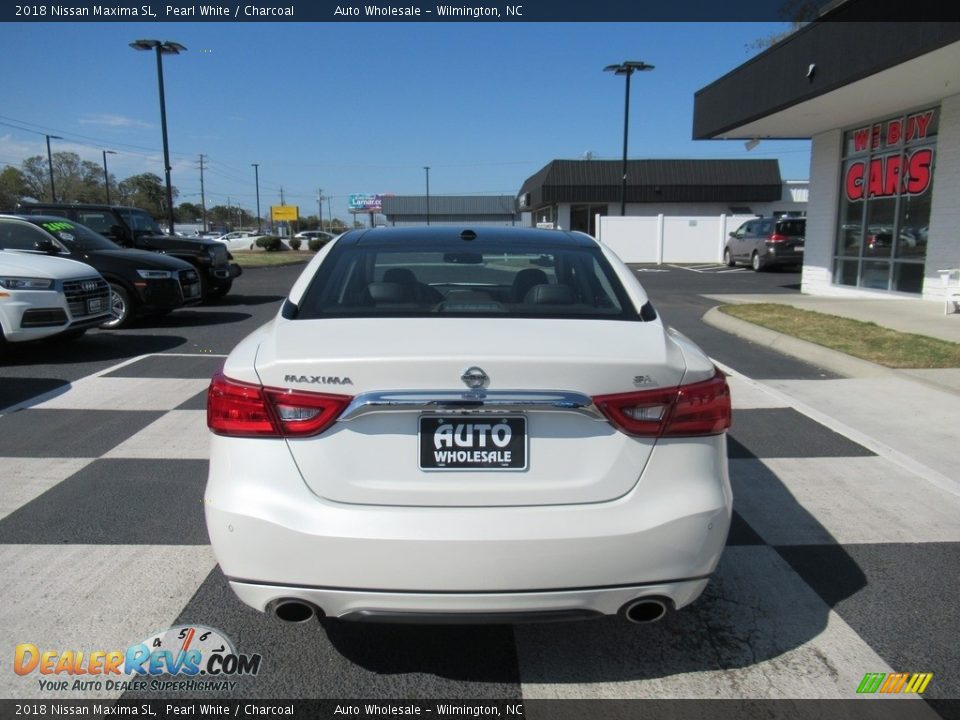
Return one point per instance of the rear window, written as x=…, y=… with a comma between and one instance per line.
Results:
x=465, y=279
x=792, y=228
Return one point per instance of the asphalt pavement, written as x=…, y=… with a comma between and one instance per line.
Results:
x=842, y=558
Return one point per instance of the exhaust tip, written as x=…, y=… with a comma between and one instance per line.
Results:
x=294, y=611
x=645, y=610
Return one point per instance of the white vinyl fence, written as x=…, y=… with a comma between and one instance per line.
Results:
x=668, y=238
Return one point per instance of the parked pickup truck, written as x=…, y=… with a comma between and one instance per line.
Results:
x=135, y=228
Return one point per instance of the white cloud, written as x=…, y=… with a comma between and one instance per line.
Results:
x=113, y=120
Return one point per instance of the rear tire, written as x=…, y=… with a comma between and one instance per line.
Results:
x=756, y=263
x=220, y=290
x=121, y=307
x=728, y=258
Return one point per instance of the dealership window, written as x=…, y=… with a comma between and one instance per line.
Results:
x=885, y=192
x=583, y=218
x=545, y=217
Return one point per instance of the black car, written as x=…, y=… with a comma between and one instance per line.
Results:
x=767, y=242
x=141, y=283
x=135, y=228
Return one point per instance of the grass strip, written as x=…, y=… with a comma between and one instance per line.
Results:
x=865, y=340
x=253, y=258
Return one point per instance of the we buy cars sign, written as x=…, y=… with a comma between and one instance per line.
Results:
x=896, y=172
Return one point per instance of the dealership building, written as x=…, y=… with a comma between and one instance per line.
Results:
x=473, y=210
x=881, y=103
x=572, y=194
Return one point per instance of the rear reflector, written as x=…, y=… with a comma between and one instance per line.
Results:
x=701, y=408
x=242, y=409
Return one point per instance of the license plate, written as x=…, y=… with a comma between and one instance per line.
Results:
x=460, y=442
x=95, y=305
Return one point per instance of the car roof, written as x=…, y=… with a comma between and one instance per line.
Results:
x=35, y=219
x=448, y=233
x=81, y=206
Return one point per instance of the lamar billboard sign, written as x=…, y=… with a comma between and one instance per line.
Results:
x=365, y=203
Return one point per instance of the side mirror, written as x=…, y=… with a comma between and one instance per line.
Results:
x=47, y=246
x=118, y=234
x=732, y=233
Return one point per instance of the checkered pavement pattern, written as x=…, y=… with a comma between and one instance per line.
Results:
x=834, y=566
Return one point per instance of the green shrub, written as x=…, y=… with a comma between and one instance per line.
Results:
x=295, y=243
x=269, y=243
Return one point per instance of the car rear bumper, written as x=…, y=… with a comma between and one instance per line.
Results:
x=369, y=606
x=276, y=540
x=783, y=256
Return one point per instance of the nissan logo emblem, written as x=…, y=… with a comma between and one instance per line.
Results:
x=474, y=378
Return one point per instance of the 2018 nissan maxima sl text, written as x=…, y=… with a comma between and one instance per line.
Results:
x=466, y=426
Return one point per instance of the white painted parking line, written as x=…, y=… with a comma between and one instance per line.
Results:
x=711, y=269
x=820, y=390
x=853, y=500
x=178, y=435
x=27, y=478
x=121, y=393
x=90, y=597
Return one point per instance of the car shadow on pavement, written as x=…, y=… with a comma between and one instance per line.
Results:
x=95, y=346
x=755, y=608
x=757, y=616
x=192, y=318
x=234, y=299
x=14, y=391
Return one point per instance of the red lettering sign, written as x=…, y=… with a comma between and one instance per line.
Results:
x=884, y=176
x=920, y=173
x=894, y=132
x=854, y=182
x=860, y=139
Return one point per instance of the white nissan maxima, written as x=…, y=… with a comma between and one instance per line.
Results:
x=465, y=426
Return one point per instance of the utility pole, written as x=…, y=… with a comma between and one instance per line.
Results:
x=203, y=198
x=320, y=207
x=256, y=175
x=53, y=191
x=281, y=196
x=427, y=168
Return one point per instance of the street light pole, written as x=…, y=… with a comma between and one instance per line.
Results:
x=256, y=175
x=162, y=48
x=626, y=68
x=106, y=176
x=53, y=192
x=427, y=168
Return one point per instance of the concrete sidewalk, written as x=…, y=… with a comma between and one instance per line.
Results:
x=910, y=416
x=921, y=317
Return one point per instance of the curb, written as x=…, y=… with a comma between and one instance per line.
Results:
x=809, y=352
x=826, y=358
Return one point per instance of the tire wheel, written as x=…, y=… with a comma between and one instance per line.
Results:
x=220, y=290
x=756, y=263
x=121, y=307
x=728, y=258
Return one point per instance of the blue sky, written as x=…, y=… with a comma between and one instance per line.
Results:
x=363, y=107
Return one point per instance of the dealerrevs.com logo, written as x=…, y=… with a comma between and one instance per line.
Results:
x=894, y=683
x=186, y=658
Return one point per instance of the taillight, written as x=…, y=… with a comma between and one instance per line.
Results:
x=777, y=237
x=241, y=409
x=701, y=408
